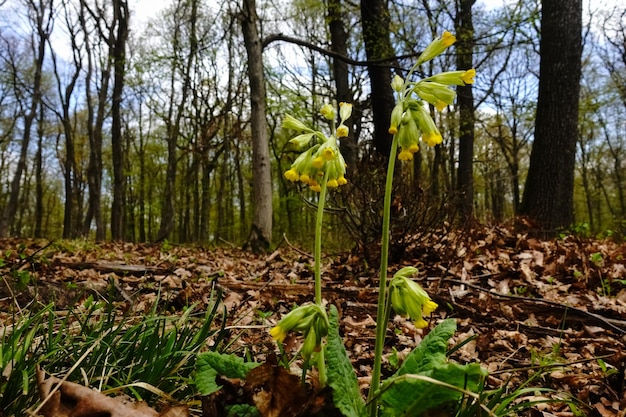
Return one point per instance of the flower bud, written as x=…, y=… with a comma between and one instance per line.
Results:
x=290, y=122
x=397, y=83
x=345, y=111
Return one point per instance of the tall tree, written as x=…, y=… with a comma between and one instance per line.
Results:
x=465, y=101
x=181, y=74
x=41, y=17
x=548, y=194
x=261, y=232
x=376, y=36
x=118, y=52
x=96, y=111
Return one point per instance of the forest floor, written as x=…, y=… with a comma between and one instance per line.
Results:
x=558, y=304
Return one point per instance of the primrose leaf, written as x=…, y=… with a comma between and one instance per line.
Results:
x=431, y=351
x=404, y=394
x=341, y=376
x=211, y=364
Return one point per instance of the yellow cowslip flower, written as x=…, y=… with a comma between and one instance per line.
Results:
x=315, y=186
x=409, y=299
x=435, y=93
x=300, y=319
x=333, y=183
x=323, y=154
x=396, y=118
x=327, y=153
x=432, y=138
x=437, y=47
x=318, y=162
x=292, y=175
x=430, y=133
x=328, y=111
x=405, y=155
x=278, y=333
x=414, y=148
x=447, y=39
x=468, y=76
x=453, y=77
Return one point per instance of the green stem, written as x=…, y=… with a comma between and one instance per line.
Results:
x=321, y=366
x=381, y=314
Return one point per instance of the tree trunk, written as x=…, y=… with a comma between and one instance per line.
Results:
x=548, y=195
x=95, y=126
x=120, y=11
x=38, y=232
x=42, y=13
x=174, y=120
x=261, y=232
x=375, y=21
x=338, y=44
x=465, y=101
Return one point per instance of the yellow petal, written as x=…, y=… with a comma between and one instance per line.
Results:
x=429, y=307
x=278, y=334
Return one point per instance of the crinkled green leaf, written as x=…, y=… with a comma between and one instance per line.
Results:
x=408, y=396
x=341, y=376
x=211, y=364
x=431, y=351
x=404, y=395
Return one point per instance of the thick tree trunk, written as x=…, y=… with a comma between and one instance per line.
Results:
x=465, y=101
x=548, y=195
x=261, y=232
x=375, y=21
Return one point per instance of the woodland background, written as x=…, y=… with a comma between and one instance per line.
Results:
x=116, y=128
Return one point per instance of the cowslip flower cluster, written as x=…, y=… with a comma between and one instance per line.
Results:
x=410, y=117
x=409, y=299
x=320, y=160
x=310, y=319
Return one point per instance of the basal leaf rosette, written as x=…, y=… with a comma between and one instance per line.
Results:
x=411, y=118
x=320, y=158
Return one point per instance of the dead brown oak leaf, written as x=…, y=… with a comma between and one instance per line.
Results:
x=68, y=399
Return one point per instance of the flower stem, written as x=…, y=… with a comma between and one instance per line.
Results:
x=381, y=315
x=317, y=256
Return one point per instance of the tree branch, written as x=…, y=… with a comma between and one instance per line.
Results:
x=378, y=62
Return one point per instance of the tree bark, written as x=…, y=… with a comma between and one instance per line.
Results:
x=548, y=195
x=261, y=232
x=338, y=44
x=465, y=101
x=375, y=21
x=120, y=11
